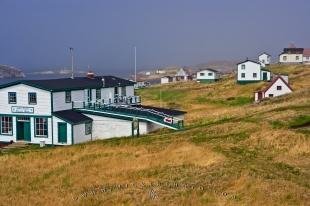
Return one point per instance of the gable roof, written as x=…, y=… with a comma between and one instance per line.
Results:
x=306, y=52
x=264, y=53
x=74, y=84
x=208, y=69
x=248, y=60
x=72, y=117
x=274, y=81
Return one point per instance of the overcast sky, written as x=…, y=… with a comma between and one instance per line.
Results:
x=36, y=34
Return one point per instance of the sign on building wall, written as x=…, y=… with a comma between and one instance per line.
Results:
x=16, y=109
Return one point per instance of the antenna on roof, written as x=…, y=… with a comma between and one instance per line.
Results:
x=71, y=52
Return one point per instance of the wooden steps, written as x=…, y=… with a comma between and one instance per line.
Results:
x=15, y=145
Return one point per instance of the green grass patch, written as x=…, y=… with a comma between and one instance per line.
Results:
x=230, y=101
x=300, y=121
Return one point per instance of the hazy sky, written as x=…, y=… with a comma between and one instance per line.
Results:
x=36, y=34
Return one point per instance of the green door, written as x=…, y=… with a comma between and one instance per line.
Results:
x=62, y=132
x=23, y=131
x=265, y=76
x=20, y=130
x=27, y=134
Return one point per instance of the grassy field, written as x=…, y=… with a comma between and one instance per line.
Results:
x=232, y=152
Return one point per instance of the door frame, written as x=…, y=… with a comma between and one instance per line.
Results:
x=58, y=132
x=28, y=123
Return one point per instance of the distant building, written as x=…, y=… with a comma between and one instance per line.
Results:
x=306, y=56
x=251, y=71
x=141, y=84
x=166, y=79
x=182, y=75
x=208, y=76
x=147, y=73
x=264, y=59
x=291, y=56
x=160, y=71
x=279, y=86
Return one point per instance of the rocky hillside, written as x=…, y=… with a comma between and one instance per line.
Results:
x=10, y=72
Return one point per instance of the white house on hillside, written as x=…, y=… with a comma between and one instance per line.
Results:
x=291, y=55
x=208, y=76
x=306, y=56
x=182, y=75
x=251, y=71
x=279, y=86
x=264, y=59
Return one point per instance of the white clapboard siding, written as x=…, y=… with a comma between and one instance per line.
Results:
x=273, y=89
x=250, y=68
x=55, y=132
x=43, y=106
x=59, y=99
x=79, y=135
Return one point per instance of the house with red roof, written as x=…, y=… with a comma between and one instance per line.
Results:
x=277, y=87
x=306, y=56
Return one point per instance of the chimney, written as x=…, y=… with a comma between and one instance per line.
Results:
x=90, y=75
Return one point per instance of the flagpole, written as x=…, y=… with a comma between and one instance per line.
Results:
x=72, y=71
x=135, y=63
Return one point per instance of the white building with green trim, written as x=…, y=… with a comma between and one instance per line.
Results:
x=250, y=71
x=69, y=111
x=208, y=76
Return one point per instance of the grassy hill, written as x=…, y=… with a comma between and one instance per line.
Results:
x=232, y=152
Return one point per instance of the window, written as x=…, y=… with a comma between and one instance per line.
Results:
x=297, y=57
x=98, y=94
x=279, y=87
x=242, y=75
x=116, y=90
x=32, y=98
x=242, y=66
x=284, y=58
x=254, y=75
x=89, y=97
x=88, y=128
x=270, y=95
x=123, y=91
x=6, y=125
x=209, y=74
x=41, y=127
x=202, y=74
x=68, y=96
x=307, y=58
x=12, y=97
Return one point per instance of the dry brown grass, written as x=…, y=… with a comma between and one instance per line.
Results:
x=233, y=152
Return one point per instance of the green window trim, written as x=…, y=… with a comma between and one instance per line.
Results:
x=88, y=128
x=35, y=128
x=14, y=97
x=32, y=98
x=11, y=124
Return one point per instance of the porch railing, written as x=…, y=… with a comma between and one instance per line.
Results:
x=134, y=112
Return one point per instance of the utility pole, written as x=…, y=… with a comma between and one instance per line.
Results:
x=72, y=71
x=135, y=48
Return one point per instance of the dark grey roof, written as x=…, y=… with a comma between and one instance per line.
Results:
x=72, y=117
x=248, y=60
x=171, y=112
x=74, y=84
x=213, y=70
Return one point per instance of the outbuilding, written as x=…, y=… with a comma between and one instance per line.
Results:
x=264, y=59
x=279, y=86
